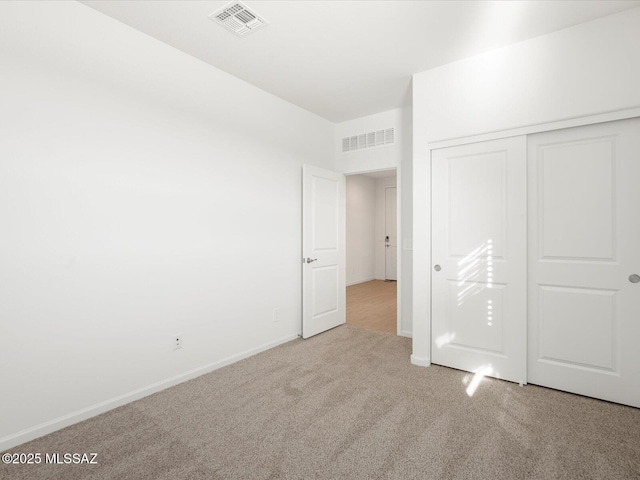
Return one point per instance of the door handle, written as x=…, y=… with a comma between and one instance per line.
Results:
x=634, y=278
x=309, y=260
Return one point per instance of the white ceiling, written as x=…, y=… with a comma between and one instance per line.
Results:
x=347, y=59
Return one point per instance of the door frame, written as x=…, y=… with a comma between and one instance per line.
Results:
x=399, y=331
x=386, y=189
x=422, y=231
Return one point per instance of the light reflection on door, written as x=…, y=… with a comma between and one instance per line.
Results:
x=479, y=289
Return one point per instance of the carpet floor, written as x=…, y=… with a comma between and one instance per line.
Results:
x=347, y=404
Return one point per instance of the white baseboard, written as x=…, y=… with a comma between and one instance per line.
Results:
x=356, y=282
x=421, y=361
x=406, y=333
x=45, y=428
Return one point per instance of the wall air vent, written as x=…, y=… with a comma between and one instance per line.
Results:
x=238, y=18
x=368, y=140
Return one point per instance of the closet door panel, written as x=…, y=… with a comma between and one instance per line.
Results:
x=584, y=243
x=479, y=256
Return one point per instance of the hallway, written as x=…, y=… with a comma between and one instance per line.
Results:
x=372, y=305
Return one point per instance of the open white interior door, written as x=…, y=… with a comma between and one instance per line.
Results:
x=323, y=249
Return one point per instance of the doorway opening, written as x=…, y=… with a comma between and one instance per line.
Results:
x=371, y=250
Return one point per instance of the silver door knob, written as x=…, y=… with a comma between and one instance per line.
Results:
x=437, y=268
x=309, y=260
x=634, y=278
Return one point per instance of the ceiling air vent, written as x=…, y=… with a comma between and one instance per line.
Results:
x=368, y=140
x=238, y=18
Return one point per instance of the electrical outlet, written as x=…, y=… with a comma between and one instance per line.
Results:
x=276, y=315
x=177, y=342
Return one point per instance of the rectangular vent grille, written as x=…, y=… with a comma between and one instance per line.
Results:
x=369, y=140
x=238, y=18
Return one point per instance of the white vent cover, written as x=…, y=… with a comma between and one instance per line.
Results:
x=368, y=140
x=238, y=18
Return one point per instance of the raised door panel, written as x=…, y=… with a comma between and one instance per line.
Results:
x=577, y=200
x=477, y=204
x=578, y=327
x=324, y=224
x=325, y=290
x=476, y=318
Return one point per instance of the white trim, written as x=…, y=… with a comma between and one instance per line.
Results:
x=420, y=361
x=386, y=188
x=399, y=247
x=45, y=428
x=543, y=127
x=421, y=262
x=349, y=173
x=405, y=333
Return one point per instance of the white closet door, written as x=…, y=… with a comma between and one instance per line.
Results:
x=479, y=258
x=584, y=247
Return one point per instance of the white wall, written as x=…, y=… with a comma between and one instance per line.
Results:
x=584, y=70
x=361, y=228
x=143, y=194
x=589, y=69
x=399, y=156
x=380, y=260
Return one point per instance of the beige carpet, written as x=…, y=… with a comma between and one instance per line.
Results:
x=347, y=405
